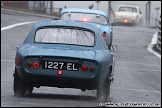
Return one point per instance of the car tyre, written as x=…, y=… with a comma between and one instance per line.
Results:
x=109, y=47
x=104, y=90
x=19, y=86
x=29, y=89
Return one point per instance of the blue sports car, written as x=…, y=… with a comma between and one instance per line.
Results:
x=64, y=54
x=96, y=17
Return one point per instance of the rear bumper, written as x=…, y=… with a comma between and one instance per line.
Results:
x=57, y=81
x=128, y=21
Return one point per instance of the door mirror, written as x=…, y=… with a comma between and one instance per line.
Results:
x=114, y=48
x=17, y=47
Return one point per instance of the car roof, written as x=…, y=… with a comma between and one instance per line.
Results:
x=63, y=23
x=84, y=11
x=135, y=6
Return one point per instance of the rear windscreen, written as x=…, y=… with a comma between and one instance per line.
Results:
x=127, y=9
x=84, y=17
x=65, y=36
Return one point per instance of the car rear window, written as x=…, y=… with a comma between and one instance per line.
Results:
x=127, y=9
x=65, y=36
x=95, y=18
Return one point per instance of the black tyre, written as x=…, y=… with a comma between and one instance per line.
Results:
x=103, y=91
x=109, y=47
x=29, y=89
x=19, y=86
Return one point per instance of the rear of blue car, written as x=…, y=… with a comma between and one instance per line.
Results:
x=63, y=56
x=59, y=57
x=60, y=71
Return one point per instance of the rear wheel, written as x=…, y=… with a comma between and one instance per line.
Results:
x=103, y=91
x=29, y=89
x=19, y=86
x=109, y=47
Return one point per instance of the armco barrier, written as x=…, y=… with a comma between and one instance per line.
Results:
x=158, y=44
x=26, y=13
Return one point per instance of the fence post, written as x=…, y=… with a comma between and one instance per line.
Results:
x=109, y=10
x=149, y=12
x=51, y=6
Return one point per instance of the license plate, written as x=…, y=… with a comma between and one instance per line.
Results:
x=60, y=65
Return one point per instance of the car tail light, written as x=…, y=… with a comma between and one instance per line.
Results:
x=17, y=60
x=114, y=15
x=125, y=21
x=104, y=35
x=36, y=65
x=59, y=72
x=85, y=19
x=91, y=69
x=137, y=17
x=84, y=68
x=29, y=64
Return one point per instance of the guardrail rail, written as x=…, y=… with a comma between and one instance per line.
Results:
x=158, y=43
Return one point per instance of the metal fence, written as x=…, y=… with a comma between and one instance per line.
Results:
x=158, y=44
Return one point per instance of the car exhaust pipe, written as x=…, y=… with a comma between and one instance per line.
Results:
x=83, y=89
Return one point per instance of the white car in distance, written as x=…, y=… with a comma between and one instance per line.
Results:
x=128, y=14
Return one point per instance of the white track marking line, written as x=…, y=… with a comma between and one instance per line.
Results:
x=153, y=42
x=14, y=25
